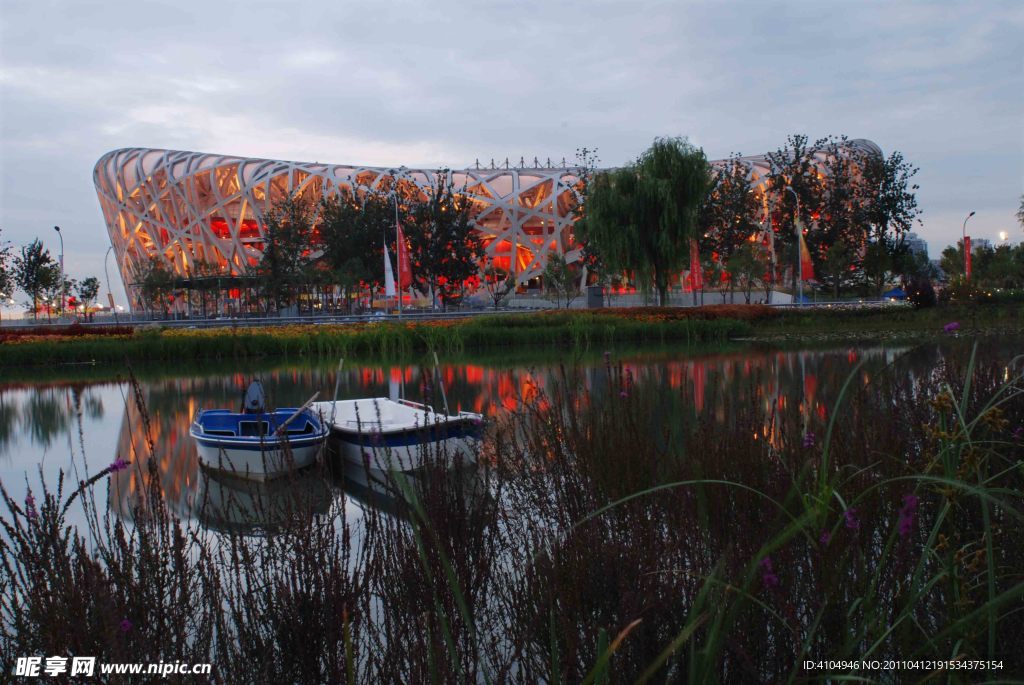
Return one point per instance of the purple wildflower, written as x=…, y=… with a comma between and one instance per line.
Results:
x=825, y=538
x=623, y=394
x=951, y=327
x=906, y=520
x=30, y=507
x=118, y=464
x=852, y=522
x=125, y=625
x=808, y=439
x=1019, y=432
x=768, y=577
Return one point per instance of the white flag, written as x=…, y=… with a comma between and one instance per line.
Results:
x=389, y=275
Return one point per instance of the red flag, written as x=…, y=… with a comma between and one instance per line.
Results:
x=695, y=272
x=806, y=265
x=404, y=265
x=967, y=256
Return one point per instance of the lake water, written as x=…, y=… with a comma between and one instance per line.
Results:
x=78, y=428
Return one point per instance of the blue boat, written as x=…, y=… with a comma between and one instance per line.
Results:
x=256, y=443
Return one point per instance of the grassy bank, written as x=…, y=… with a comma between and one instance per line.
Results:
x=575, y=330
x=972, y=318
x=578, y=330
x=504, y=358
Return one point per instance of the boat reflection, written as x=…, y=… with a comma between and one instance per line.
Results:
x=228, y=503
x=398, y=494
x=709, y=387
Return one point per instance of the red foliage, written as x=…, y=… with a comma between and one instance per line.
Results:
x=75, y=330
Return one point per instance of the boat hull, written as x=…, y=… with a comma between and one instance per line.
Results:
x=407, y=450
x=259, y=445
x=270, y=459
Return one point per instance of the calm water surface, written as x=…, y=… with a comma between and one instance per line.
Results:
x=48, y=427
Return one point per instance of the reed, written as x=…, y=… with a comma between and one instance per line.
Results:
x=612, y=533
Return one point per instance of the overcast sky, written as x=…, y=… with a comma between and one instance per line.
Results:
x=432, y=83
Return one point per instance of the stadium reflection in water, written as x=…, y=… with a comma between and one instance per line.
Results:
x=707, y=387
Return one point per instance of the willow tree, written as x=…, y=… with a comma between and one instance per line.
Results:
x=641, y=217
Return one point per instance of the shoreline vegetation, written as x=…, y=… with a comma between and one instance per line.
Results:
x=892, y=533
x=572, y=330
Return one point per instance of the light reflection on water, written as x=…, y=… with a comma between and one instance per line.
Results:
x=81, y=428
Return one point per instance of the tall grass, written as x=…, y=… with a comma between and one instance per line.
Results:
x=384, y=340
x=613, y=534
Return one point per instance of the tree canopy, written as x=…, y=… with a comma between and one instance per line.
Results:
x=353, y=233
x=35, y=272
x=156, y=283
x=283, y=267
x=641, y=217
x=561, y=282
x=88, y=289
x=854, y=203
x=6, y=272
x=444, y=246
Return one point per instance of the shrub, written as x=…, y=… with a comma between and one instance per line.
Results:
x=920, y=292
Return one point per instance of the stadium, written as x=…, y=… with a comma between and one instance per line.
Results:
x=186, y=208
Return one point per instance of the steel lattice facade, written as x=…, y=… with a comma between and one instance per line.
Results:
x=186, y=208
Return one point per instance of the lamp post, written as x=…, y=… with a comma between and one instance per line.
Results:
x=796, y=228
x=967, y=249
x=110, y=294
x=62, y=294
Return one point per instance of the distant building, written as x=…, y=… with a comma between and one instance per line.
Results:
x=917, y=245
x=980, y=244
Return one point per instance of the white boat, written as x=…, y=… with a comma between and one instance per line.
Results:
x=381, y=434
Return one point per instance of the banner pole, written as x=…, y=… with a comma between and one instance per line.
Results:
x=398, y=251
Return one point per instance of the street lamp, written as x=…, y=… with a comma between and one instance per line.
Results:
x=967, y=249
x=110, y=294
x=62, y=293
